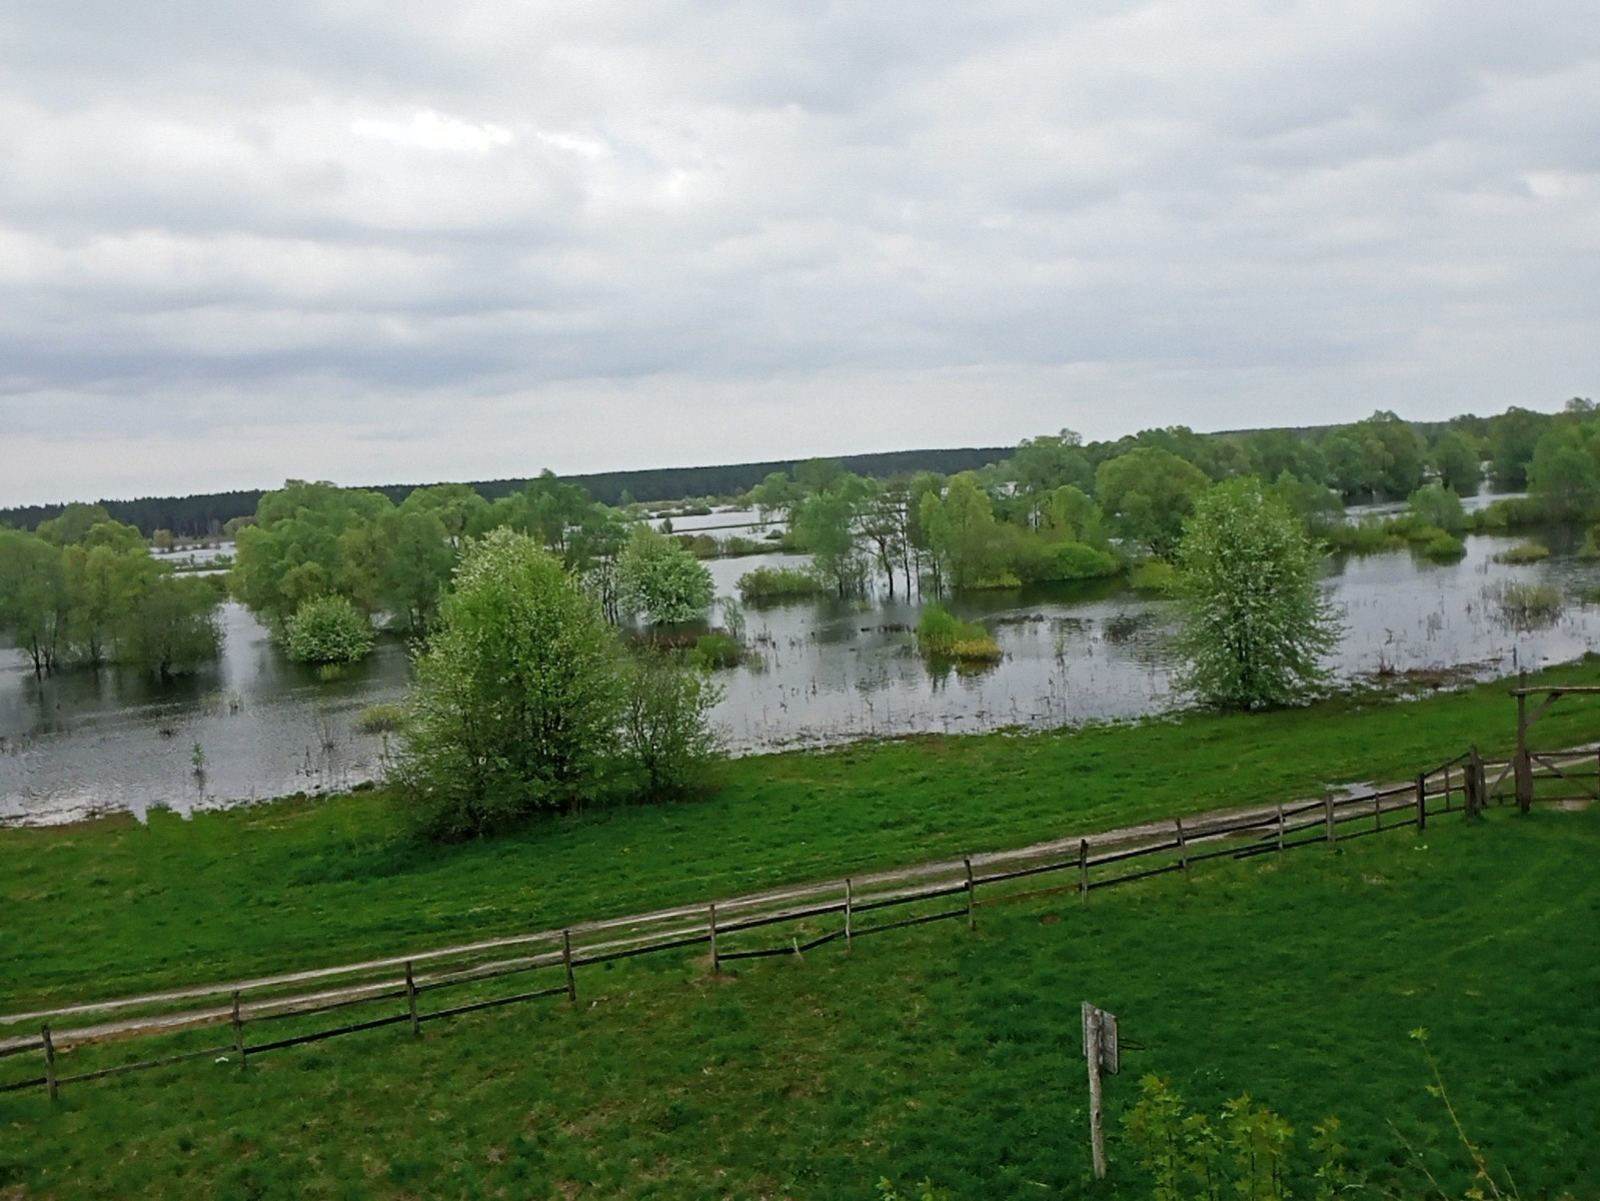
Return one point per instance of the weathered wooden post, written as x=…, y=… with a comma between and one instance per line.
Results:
x=238, y=1030
x=1422, y=799
x=716, y=964
x=1280, y=825
x=972, y=917
x=49, y=1062
x=566, y=962
x=1327, y=817
x=1477, y=783
x=1183, y=847
x=1101, y=1050
x=849, y=911
x=411, y=1001
x=1083, y=869
x=1524, y=763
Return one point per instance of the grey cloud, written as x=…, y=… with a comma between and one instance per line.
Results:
x=697, y=231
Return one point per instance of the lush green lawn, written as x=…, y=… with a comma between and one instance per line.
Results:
x=112, y=907
x=938, y=1052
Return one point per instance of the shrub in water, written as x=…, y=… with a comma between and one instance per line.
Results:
x=1444, y=548
x=778, y=583
x=940, y=633
x=327, y=629
x=1524, y=552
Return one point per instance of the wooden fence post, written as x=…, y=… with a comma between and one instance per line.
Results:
x=238, y=1030
x=849, y=911
x=1280, y=825
x=1097, y=1134
x=1446, y=790
x=1327, y=814
x=1377, y=811
x=1524, y=761
x=1183, y=847
x=972, y=918
x=411, y=1000
x=716, y=964
x=1422, y=798
x=566, y=962
x=49, y=1062
x=1083, y=869
x=1477, y=783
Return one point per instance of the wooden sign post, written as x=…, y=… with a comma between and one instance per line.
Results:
x=1101, y=1049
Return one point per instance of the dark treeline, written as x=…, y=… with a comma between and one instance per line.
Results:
x=205, y=514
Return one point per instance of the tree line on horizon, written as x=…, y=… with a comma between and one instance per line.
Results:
x=1356, y=460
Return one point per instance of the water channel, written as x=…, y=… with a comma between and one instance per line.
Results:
x=256, y=725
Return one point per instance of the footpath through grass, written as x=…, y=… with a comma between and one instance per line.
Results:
x=113, y=907
x=941, y=1053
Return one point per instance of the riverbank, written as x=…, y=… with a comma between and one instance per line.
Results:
x=112, y=907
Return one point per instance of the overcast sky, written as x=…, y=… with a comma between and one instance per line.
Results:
x=372, y=240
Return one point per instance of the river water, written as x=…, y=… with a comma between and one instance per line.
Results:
x=256, y=725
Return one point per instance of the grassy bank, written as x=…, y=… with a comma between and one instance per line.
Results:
x=111, y=907
x=938, y=1052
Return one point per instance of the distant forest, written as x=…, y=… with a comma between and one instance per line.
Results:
x=206, y=513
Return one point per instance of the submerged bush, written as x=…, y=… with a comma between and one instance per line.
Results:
x=327, y=629
x=717, y=649
x=1153, y=576
x=1444, y=548
x=1524, y=552
x=381, y=719
x=779, y=583
x=943, y=635
x=1524, y=605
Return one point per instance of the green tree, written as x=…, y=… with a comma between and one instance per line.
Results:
x=1513, y=436
x=1458, y=462
x=1439, y=506
x=461, y=510
x=293, y=552
x=1073, y=516
x=961, y=531
x=1148, y=492
x=1041, y=466
x=1564, y=475
x=1254, y=622
x=661, y=582
x=825, y=526
x=328, y=629
x=515, y=701
x=173, y=630
x=33, y=597
x=666, y=738
x=776, y=495
x=73, y=524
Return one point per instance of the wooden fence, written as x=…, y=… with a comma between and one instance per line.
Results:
x=408, y=990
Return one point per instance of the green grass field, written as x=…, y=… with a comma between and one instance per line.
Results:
x=113, y=907
x=938, y=1052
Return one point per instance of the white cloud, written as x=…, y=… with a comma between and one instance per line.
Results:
x=428, y=130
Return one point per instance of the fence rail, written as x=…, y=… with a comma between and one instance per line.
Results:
x=783, y=921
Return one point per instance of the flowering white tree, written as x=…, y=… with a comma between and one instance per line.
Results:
x=660, y=581
x=1254, y=621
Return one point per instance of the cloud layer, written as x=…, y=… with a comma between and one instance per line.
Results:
x=404, y=241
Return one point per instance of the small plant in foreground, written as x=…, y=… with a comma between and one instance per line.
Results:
x=1247, y=1152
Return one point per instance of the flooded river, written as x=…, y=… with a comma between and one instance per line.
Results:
x=256, y=725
